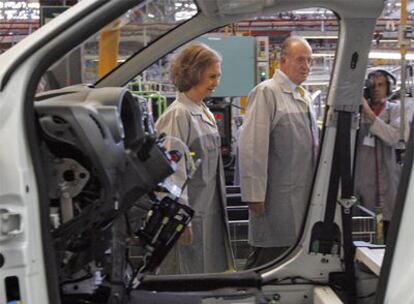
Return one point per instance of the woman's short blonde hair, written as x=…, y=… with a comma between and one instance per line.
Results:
x=190, y=63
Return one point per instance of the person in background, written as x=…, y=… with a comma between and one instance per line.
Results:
x=278, y=149
x=376, y=169
x=204, y=247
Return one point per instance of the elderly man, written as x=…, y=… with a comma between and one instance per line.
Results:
x=278, y=147
x=376, y=170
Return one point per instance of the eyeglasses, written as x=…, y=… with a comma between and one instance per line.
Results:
x=303, y=60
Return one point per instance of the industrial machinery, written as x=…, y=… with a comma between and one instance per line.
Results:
x=100, y=157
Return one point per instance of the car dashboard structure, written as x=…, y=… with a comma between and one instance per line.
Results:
x=102, y=165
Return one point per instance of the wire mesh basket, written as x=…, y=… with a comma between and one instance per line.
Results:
x=363, y=224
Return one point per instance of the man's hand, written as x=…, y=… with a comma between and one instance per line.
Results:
x=187, y=237
x=366, y=110
x=257, y=207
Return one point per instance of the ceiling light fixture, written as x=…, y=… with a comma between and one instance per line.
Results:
x=389, y=55
x=393, y=55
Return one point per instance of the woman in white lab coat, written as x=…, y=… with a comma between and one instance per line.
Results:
x=190, y=127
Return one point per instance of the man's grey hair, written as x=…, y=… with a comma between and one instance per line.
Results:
x=288, y=43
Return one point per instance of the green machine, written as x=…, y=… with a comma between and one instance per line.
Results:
x=239, y=63
x=154, y=98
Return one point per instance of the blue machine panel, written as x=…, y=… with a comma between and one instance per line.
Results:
x=239, y=61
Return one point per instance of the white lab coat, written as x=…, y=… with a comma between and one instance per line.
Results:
x=211, y=250
x=385, y=128
x=276, y=160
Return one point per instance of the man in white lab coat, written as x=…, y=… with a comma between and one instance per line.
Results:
x=376, y=169
x=278, y=147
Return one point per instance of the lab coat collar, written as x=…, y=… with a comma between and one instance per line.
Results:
x=195, y=109
x=386, y=109
x=388, y=104
x=284, y=80
x=288, y=86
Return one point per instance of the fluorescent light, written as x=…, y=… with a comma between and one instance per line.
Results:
x=323, y=55
x=184, y=15
x=386, y=40
x=395, y=55
x=316, y=83
x=315, y=34
x=320, y=36
x=384, y=55
x=389, y=55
